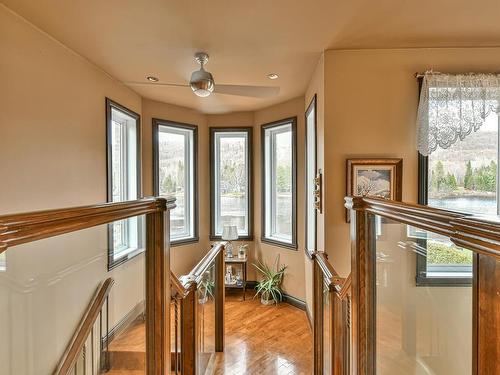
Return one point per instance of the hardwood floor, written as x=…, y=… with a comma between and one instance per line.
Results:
x=263, y=340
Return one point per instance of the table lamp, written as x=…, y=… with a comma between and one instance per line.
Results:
x=229, y=233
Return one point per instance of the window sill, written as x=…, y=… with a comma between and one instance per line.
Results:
x=443, y=281
x=118, y=262
x=270, y=241
x=184, y=241
x=240, y=238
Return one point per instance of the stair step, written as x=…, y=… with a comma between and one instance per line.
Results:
x=121, y=360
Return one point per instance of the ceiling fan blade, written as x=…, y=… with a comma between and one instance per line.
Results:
x=155, y=84
x=252, y=91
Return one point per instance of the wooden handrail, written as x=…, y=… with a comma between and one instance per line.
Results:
x=177, y=286
x=21, y=228
x=480, y=233
x=194, y=277
x=81, y=334
x=345, y=288
x=329, y=272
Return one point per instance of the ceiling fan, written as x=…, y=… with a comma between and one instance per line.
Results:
x=202, y=83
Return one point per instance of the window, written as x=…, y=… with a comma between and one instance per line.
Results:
x=310, y=176
x=175, y=175
x=3, y=262
x=231, y=180
x=125, y=237
x=279, y=183
x=462, y=178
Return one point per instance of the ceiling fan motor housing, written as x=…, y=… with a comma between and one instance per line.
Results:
x=202, y=82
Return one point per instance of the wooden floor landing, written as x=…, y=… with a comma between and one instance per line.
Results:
x=264, y=340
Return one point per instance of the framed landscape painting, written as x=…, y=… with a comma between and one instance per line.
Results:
x=380, y=178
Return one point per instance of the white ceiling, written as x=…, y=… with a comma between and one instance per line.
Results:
x=246, y=40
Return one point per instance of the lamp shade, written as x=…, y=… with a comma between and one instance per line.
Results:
x=230, y=233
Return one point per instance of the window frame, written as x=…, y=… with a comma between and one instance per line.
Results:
x=312, y=107
x=156, y=123
x=293, y=244
x=249, y=132
x=110, y=105
x=421, y=277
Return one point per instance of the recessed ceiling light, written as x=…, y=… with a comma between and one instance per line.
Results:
x=152, y=79
x=272, y=76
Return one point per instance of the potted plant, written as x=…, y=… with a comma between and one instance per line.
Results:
x=207, y=286
x=269, y=287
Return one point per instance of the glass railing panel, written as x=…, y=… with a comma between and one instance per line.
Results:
x=205, y=298
x=326, y=328
x=45, y=288
x=423, y=302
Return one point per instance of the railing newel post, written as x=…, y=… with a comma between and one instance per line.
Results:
x=220, y=296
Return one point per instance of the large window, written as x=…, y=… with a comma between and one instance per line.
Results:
x=3, y=262
x=231, y=180
x=310, y=176
x=124, y=180
x=279, y=183
x=175, y=175
x=462, y=178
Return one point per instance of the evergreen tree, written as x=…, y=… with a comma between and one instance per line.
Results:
x=169, y=185
x=451, y=182
x=440, y=176
x=468, y=178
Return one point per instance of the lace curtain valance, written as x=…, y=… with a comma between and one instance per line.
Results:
x=453, y=106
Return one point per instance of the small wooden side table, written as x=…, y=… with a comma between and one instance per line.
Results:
x=238, y=261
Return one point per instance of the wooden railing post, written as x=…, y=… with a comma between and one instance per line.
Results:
x=188, y=332
x=220, y=295
x=318, y=319
x=157, y=293
x=362, y=287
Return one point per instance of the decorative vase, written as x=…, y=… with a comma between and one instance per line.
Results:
x=265, y=301
x=203, y=300
x=242, y=251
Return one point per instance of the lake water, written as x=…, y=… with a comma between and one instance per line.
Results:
x=479, y=205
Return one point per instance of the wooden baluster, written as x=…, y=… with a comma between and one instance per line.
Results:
x=219, y=301
x=92, y=339
x=318, y=319
x=176, y=338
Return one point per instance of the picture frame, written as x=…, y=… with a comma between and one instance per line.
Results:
x=374, y=177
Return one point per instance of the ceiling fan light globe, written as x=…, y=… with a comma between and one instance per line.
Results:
x=202, y=93
x=202, y=83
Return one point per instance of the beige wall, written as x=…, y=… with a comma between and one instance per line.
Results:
x=293, y=283
x=53, y=154
x=370, y=109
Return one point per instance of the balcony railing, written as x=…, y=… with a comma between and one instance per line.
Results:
x=47, y=281
x=400, y=325
x=198, y=316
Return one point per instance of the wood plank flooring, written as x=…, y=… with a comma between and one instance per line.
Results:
x=263, y=340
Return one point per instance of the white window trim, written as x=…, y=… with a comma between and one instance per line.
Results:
x=311, y=165
x=269, y=191
x=216, y=134
x=133, y=228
